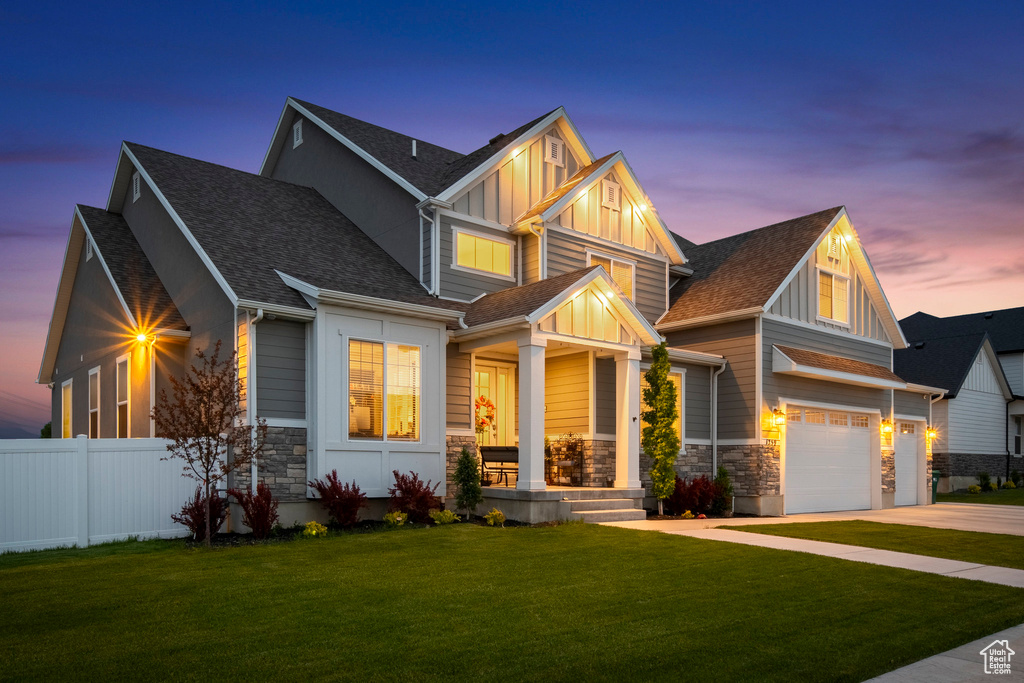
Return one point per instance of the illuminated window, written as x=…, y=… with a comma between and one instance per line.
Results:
x=793, y=415
x=906, y=428
x=859, y=421
x=554, y=151
x=477, y=252
x=65, y=410
x=94, y=403
x=677, y=381
x=621, y=271
x=815, y=417
x=833, y=297
x=123, y=396
x=838, y=419
x=369, y=385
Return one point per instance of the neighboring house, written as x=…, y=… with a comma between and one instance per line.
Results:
x=979, y=357
x=374, y=285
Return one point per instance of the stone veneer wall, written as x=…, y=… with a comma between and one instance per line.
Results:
x=453, y=449
x=692, y=462
x=754, y=469
x=598, y=463
x=282, y=466
x=968, y=464
x=888, y=471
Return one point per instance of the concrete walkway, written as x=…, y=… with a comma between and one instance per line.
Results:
x=964, y=663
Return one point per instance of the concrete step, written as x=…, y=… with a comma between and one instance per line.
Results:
x=602, y=504
x=625, y=515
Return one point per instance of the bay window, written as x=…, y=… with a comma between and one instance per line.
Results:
x=383, y=391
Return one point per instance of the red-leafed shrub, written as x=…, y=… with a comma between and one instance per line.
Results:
x=696, y=496
x=260, y=510
x=193, y=514
x=413, y=497
x=342, y=501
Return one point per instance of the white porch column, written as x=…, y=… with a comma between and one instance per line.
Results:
x=627, y=420
x=531, y=414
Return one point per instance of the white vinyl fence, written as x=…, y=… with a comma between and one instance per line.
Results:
x=63, y=492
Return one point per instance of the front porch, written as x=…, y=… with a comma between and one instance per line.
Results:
x=590, y=504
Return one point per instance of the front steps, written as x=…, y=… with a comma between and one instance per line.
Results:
x=604, y=509
x=590, y=504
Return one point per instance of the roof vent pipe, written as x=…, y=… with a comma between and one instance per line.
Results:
x=413, y=149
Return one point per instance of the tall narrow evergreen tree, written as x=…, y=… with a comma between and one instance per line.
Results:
x=660, y=440
x=468, y=493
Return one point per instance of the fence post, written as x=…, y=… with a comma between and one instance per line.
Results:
x=82, y=442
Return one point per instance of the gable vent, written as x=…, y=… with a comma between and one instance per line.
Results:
x=297, y=134
x=611, y=194
x=833, y=245
x=88, y=249
x=136, y=187
x=554, y=151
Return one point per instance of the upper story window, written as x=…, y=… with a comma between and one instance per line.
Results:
x=66, y=392
x=554, y=151
x=297, y=134
x=622, y=272
x=475, y=251
x=375, y=394
x=834, y=297
x=611, y=194
x=94, y=403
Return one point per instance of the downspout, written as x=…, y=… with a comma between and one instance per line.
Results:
x=714, y=418
x=251, y=398
x=432, y=289
x=152, y=386
x=1006, y=433
x=931, y=425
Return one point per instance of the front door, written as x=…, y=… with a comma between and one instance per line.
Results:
x=496, y=382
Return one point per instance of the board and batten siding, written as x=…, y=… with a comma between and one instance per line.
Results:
x=813, y=391
x=736, y=341
x=280, y=369
x=459, y=388
x=977, y=416
x=911, y=403
x=518, y=184
x=567, y=394
x=626, y=226
x=1013, y=368
x=940, y=421
x=465, y=285
x=566, y=253
x=800, y=301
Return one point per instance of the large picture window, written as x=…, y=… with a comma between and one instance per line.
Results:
x=833, y=297
x=476, y=252
x=383, y=390
x=677, y=381
x=622, y=272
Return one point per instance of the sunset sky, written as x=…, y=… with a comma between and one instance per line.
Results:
x=733, y=116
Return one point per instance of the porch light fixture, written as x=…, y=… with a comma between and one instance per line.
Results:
x=887, y=427
x=141, y=338
x=932, y=433
x=778, y=418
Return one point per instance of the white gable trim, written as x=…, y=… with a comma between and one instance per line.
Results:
x=862, y=264
x=62, y=300
x=995, y=368
x=103, y=262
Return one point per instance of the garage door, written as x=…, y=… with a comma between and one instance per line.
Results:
x=828, y=462
x=906, y=463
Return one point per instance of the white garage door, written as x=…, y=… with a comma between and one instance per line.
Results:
x=828, y=461
x=906, y=463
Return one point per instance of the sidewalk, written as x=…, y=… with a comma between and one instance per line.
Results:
x=964, y=663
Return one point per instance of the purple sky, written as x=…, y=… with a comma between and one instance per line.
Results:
x=733, y=117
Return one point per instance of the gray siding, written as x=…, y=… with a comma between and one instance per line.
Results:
x=698, y=401
x=380, y=208
x=776, y=386
x=566, y=253
x=604, y=388
x=737, y=385
x=428, y=275
x=910, y=403
x=1013, y=367
x=977, y=416
x=459, y=385
x=940, y=420
x=280, y=369
x=531, y=258
x=465, y=285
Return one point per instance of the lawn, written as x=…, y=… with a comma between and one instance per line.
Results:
x=1001, y=550
x=475, y=603
x=1002, y=497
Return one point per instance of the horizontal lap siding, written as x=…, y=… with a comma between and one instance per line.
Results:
x=912, y=403
x=567, y=394
x=463, y=285
x=735, y=341
x=698, y=401
x=566, y=254
x=977, y=422
x=281, y=369
x=459, y=387
x=1013, y=367
x=604, y=385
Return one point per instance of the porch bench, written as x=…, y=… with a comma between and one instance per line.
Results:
x=502, y=460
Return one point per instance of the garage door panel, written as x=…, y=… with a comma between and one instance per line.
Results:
x=906, y=462
x=828, y=463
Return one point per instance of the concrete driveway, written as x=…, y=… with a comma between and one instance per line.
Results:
x=993, y=519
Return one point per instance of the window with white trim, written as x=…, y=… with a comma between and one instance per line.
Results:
x=622, y=272
x=383, y=386
x=136, y=187
x=815, y=417
x=123, y=396
x=860, y=421
x=297, y=134
x=477, y=252
x=554, y=151
x=1018, y=426
x=793, y=415
x=611, y=194
x=66, y=394
x=834, y=296
x=94, y=403
x=676, y=378
x=906, y=427
x=839, y=419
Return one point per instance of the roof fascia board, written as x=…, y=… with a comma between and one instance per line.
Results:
x=278, y=310
x=893, y=322
x=359, y=151
x=696, y=357
x=276, y=141
x=668, y=242
x=784, y=365
x=925, y=389
x=997, y=367
x=575, y=133
x=728, y=316
x=60, y=303
x=478, y=331
x=103, y=263
x=203, y=256
x=562, y=204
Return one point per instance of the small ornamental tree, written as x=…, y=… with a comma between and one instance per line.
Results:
x=468, y=494
x=660, y=440
x=203, y=421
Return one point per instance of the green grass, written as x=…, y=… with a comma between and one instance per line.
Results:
x=1001, y=550
x=1003, y=497
x=474, y=603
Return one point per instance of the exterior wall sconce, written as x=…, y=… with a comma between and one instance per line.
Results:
x=778, y=418
x=887, y=427
x=932, y=433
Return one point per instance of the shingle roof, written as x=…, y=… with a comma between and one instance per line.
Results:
x=1005, y=327
x=250, y=225
x=392, y=149
x=132, y=272
x=824, y=361
x=942, y=362
x=565, y=188
x=743, y=271
x=521, y=301
x=683, y=243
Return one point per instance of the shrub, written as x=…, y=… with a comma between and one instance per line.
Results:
x=413, y=497
x=1015, y=477
x=314, y=530
x=984, y=480
x=1008, y=484
x=396, y=518
x=722, y=501
x=467, y=483
x=259, y=511
x=992, y=486
x=443, y=516
x=687, y=515
x=973, y=488
x=193, y=514
x=999, y=482
x=495, y=517
x=342, y=501
x=696, y=495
